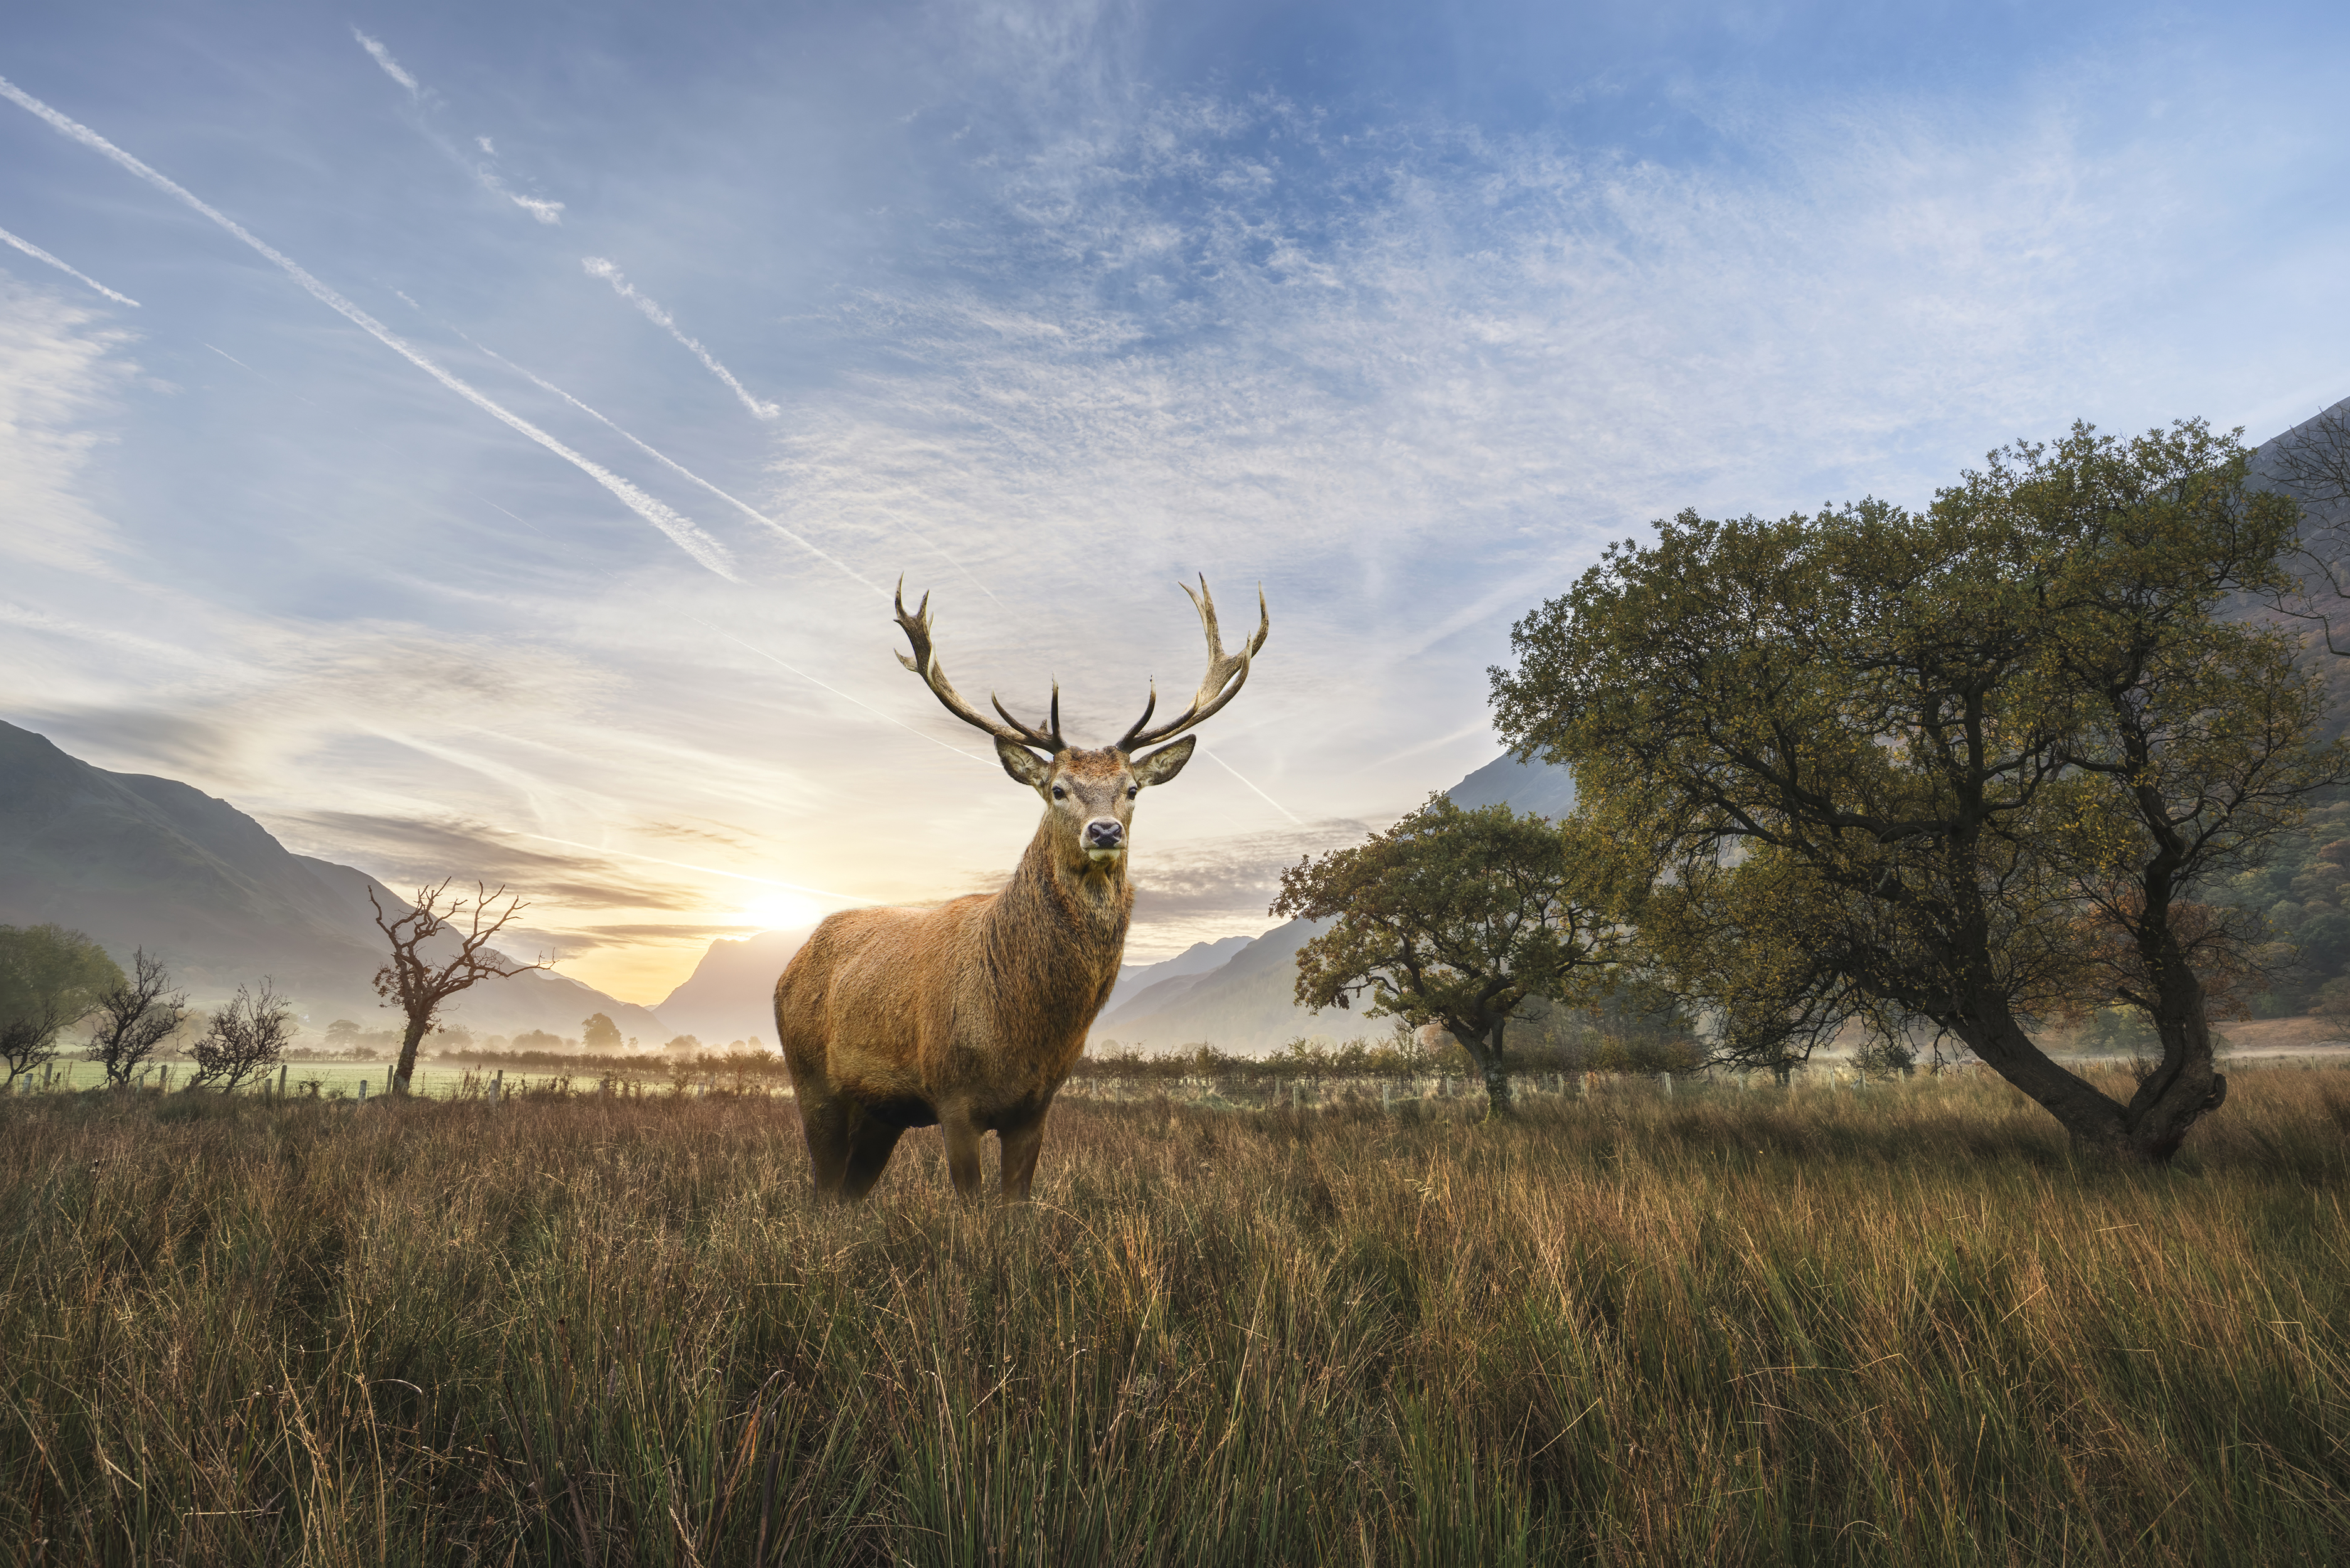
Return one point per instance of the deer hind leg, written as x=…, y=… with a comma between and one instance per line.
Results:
x=870, y=1148
x=1020, y=1146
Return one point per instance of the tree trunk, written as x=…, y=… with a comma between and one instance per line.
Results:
x=2183, y=1088
x=1485, y=1050
x=408, y=1042
x=2147, y=1131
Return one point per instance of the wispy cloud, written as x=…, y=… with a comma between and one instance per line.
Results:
x=598, y=267
x=680, y=530
x=37, y=253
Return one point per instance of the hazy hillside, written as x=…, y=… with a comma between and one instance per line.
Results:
x=137, y=861
x=730, y=994
x=1196, y=960
x=1248, y=1004
x=1534, y=786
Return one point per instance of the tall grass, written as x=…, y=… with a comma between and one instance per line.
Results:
x=1900, y=1327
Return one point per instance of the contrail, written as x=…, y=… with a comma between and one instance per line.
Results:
x=754, y=648
x=1261, y=794
x=598, y=267
x=391, y=67
x=544, y=212
x=544, y=385
x=37, y=253
x=682, y=531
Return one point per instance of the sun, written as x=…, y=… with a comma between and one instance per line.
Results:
x=781, y=911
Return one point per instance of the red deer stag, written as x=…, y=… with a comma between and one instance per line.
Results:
x=968, y=1016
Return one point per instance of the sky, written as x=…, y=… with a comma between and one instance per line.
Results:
x=482, y=441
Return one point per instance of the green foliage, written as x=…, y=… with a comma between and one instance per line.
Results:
x=50, y=978
x=1456, y=917
x=1968, y=768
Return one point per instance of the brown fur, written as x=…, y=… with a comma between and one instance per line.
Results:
x=972, y=1013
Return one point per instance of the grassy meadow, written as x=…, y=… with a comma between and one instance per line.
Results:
x=1893, y=1327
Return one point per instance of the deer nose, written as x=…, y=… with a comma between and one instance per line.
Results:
x=1104, y=833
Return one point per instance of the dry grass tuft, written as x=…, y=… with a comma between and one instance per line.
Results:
x=1900, y=1327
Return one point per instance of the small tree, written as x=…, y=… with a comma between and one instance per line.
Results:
x=133, y=1016
x=416, y=983
x=1456, y=917
x=50, y=977
x=246, y=1038
x=598, y=1032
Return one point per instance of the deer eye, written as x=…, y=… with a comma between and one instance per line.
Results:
x=1060, y=794
x=1133, y=790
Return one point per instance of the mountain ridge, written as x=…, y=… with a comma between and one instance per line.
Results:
x=135, y=860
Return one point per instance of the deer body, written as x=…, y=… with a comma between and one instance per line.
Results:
x=969, y=1015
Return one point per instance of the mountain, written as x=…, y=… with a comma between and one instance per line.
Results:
x=137, y=861
x=730, y=994
x=1245, y=1004
x=1536, y=787
x=1196, y=960
x=1248, y=1004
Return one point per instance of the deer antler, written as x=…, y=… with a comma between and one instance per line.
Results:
x=925, y=663
x=1226, y=674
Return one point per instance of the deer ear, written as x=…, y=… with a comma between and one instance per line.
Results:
x=1024, y=765
x=1163, y=764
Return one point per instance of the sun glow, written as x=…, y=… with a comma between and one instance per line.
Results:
x=781, y=911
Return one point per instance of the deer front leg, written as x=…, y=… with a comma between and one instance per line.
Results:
x=824, y=1120
x=1021, y=1145
x=962, y=1136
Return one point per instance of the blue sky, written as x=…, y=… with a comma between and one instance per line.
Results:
x=541, y=533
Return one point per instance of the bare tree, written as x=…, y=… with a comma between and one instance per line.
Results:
x=2311, y=464
x=246, y=1037
x=417, y=983
x=134, y=1016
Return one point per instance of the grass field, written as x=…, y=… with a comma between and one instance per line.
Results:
x=1899, y=1327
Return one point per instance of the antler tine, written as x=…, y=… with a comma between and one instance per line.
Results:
x=925, y=663
x=1051, y=739
x=1227, y=673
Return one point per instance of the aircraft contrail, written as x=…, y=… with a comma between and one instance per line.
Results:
x=391, y=67
x=1243, y=778
x=37, y=253
x=682, y=531
x=544, y=211
x=544, y=385
x=754, y=648
x=598, y=267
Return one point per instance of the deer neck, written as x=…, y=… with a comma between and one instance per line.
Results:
x=1059, y=929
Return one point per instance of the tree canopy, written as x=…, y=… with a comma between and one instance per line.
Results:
x=50, y=977
x=1959, y=768
x=1454, y=917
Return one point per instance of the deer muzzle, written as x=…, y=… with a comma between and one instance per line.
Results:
x=1104, y=839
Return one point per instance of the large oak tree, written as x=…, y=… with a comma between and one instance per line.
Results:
x=1957, y=768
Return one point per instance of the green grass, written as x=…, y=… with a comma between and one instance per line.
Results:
x=1899, y=1327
